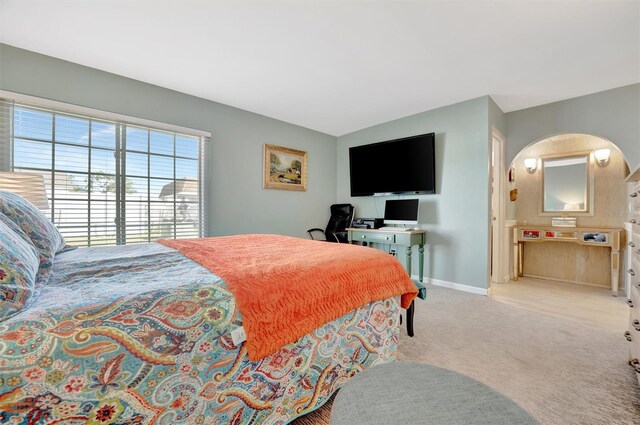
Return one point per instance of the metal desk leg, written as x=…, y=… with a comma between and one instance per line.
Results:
x=410, y=319
x=410, y=309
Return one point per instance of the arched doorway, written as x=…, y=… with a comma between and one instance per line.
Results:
x=559, y=266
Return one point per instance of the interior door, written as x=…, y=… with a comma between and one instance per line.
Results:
x=497, y=181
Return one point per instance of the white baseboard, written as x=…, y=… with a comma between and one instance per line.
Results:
x=456, y=286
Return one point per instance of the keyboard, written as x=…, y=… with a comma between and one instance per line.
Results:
x=395, y=229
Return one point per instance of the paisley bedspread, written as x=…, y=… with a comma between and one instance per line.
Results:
x=141, y=334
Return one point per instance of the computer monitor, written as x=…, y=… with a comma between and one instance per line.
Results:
x=401, y=211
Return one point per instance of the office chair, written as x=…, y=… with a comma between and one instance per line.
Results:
x=341, y=218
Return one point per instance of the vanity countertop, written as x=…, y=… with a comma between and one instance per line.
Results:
x=566, y=228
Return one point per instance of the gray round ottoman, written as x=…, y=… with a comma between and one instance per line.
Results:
x=413, y=393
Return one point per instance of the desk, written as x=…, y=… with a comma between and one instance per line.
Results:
x=406, y=239
x=589, y=236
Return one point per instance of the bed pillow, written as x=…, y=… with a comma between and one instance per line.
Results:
x=19, y=264
x=42, y=233
x=14, y=228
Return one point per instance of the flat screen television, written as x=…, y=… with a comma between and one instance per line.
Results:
x=400, y=166
x=401, y=211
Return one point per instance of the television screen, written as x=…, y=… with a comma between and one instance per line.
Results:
x=397, y=166
x=401, y=211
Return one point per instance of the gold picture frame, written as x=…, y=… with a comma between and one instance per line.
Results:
x=284, y=168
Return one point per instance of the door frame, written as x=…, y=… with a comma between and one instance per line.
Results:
x=497, y=198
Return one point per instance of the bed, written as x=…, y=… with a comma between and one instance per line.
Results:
x=143, y=334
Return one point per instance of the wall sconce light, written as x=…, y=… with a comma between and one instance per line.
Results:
x=602, y=156
x=531, y=164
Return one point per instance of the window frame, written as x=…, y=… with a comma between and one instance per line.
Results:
x=8, y=101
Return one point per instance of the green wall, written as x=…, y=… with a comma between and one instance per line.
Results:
x=457, y=216
x=238, y=203
x=612, y=114
x=497, y=118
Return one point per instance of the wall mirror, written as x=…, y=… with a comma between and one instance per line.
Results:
x=567, y=185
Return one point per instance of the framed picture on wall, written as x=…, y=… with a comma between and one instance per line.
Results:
x=284, y=168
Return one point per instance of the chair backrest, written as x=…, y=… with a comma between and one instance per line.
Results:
x=341, y=218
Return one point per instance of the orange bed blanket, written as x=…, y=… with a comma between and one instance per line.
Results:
x=286, y=287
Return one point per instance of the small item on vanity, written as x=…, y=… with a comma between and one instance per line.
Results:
x=566, y=235
x=531, y=234
x=595, y=237
x=513, y=195
x=563, y=222
x=553, y=234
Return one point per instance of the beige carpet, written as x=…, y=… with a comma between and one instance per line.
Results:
x=562, y=372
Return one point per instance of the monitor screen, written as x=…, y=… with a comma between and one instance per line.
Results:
x=401, y=211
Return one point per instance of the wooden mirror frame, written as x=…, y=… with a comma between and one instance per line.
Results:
x=588, y=205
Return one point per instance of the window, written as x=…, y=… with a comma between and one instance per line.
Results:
x=110, y=182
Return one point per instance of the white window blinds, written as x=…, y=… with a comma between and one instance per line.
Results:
x=110, y=182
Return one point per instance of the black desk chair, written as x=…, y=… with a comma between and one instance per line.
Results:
x=341, y=218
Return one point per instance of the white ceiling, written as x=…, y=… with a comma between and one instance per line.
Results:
x=339, y=66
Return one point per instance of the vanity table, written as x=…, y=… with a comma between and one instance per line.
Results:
x=558, y=204
x=587, y=236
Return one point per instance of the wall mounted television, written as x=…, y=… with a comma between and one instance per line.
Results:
x=400, y=166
